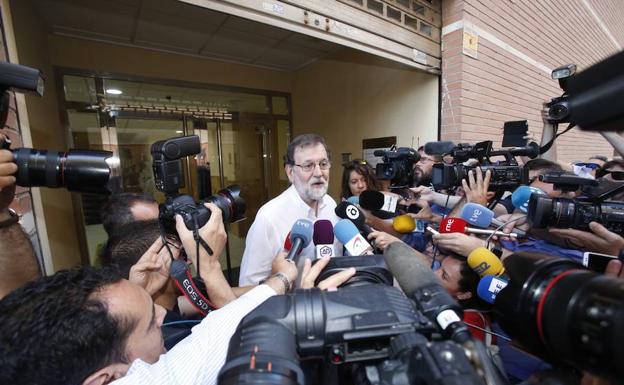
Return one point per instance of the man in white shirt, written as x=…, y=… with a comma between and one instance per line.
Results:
x=307, y=166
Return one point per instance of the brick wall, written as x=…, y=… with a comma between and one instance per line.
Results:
x=519, y=43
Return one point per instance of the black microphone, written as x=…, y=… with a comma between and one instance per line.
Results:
x=417, y=280
x=346, y=210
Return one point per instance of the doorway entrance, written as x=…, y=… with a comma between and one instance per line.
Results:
x=243, y=134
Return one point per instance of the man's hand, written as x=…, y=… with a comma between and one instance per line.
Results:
x=7, y=180
x=311, y=273
x=614, y=269
x=282, y=265
x=476, y=188
x=152, y=270
x=424, y=193
x=213, y=233
x=425, y=214
x=599, y=240
x=458, y=243
x=382, y=240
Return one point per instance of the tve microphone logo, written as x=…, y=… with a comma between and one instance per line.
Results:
x=304, y=224
x=474, y=217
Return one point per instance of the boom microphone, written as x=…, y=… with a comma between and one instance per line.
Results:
x=350, y=237
x=481, y=216
x=458, y=225
x=439, y=148
x=484, y=262
x=417, y=280
x=300, y=236
x=323, y=238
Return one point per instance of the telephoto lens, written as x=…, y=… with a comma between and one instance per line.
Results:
x=230, y=203
x=76, y=170
x=558, y=310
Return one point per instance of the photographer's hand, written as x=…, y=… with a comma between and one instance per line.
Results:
x=599, y=240
x=152, y=270
x=458, y=243
x=7, y=180
x=213, y=233
x=311, y=273
x=476, y=188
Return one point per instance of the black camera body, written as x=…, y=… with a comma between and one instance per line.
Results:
x=361, y=334
x=397, y=166
x=168, y=178
x=592, y=206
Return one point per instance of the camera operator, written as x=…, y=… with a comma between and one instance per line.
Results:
x=424, y=167
x=14, y=242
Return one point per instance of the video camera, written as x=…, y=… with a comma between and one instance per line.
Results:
x=168, y=178
x=506, y=175
x=397, y=166
x=558, y=310
x=75, y=170
x=369, y=334
x=591, y=206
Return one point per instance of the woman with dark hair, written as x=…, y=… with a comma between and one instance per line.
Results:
x=358, y=176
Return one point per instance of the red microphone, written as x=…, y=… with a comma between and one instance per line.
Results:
x=287, y=243
x=458, y=225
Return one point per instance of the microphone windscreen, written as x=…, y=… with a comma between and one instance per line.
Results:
x=410, y=271
x=439, y=148
x=484, y=262
x=353, y=200
x=371, y=200
x=520, y=197
x=302, y=229
x=477, y=215
x=323, y=232
x=403, y=224
x=489, y=287
x=346, y=210
x=452, y=225
x=345, y=230
x=287, y=243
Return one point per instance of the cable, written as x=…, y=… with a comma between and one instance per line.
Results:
x=488, y=331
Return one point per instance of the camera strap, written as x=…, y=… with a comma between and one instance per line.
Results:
x=199, y=241
x=548, y=145
x=184, y=281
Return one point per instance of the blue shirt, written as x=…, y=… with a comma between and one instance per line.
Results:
x=542, y=246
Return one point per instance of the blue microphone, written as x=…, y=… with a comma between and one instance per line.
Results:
x=520, y=197
x=300, y=236
x=480, y=216
x=350, y=237
x=354, y=200
x=489, y=287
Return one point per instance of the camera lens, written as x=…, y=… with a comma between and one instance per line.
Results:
x=230, y=203
x=76, y=170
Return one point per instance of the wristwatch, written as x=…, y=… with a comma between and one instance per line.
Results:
x=8, y=218
x=282, y=277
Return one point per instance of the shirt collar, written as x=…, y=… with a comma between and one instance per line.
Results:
x=294, y=194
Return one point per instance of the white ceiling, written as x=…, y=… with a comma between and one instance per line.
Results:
x=173, y=26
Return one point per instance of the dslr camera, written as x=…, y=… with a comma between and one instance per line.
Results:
x=506, y=175
x=168, y=178
x=76, y=170
x=592, y=205
x=397, y=166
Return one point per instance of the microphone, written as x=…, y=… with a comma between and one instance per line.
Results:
x=417, y=280
x=458, y=225
x=481, y=216
x=354, y=200
x=300, y=236
x=346, y=210
x=484, y=262
x=350, y=237
x=403, y=224
x=439, y=148
x=520, y=197
x=376, y=201
x=489, y=287
x=287, y=243
x=323, y=238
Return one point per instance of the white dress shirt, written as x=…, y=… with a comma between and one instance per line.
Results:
x=268, y=232
x=198, y=358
